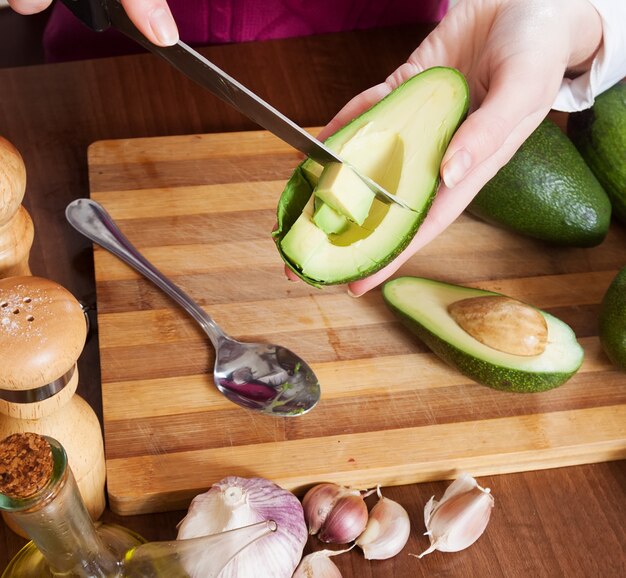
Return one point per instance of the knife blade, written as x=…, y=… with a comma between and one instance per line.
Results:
x=102, y=14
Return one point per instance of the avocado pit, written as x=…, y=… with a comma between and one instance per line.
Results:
x=502, y=323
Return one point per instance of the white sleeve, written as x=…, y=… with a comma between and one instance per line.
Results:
x=608, y=67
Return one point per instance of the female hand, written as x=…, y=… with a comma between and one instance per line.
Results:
x=152, y=17
x=514, y=54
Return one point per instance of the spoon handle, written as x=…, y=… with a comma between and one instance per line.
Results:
x=91, y=219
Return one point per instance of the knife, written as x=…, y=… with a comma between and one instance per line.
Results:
x=100, y=15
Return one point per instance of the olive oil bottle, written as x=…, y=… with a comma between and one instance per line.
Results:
x=39, y=494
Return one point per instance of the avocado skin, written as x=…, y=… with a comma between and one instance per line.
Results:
x=483, y=372
x=547, y=191
x=599, y=134
x=612, y=321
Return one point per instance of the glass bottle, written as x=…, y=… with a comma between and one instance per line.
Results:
x=39, y=493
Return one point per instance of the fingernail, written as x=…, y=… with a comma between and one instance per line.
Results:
x=456, y=168
x=352, y=294
x=163, y=26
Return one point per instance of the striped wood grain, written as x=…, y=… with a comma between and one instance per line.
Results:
x=201, y=207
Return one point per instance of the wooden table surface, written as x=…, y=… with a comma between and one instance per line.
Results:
x=562, y=522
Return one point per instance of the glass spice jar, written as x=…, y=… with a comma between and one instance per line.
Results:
x=39, y=494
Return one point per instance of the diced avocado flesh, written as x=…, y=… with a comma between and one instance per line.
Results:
x=304, y=237
x=399, y=143
x=311, y=171
x=422, y=305
x=343, y=190
x=329, y=220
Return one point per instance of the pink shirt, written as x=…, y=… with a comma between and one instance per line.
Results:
x=203, y=22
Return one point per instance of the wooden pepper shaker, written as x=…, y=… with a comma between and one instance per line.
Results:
x=16, y=226
x=42, y=334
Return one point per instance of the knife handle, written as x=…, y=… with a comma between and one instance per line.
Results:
x=93, y=13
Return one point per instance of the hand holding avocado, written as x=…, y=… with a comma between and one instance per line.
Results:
x=515, y=55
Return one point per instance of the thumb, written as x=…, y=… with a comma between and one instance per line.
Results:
x=29, y=6
x=153, y=19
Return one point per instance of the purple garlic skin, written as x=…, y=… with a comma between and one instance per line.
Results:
x=337, y=514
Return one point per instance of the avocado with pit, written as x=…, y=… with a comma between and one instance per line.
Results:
x=548, y=192
x=599, y=134
x=399, y=143
x=424, y=306
x=612, y=330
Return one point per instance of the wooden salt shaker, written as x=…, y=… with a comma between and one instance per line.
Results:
x=42, y=334
x=16, y=226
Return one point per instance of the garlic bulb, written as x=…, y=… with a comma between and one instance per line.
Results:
x=460, y=518
x=235, y=502
x=387, y=530
x=319, y=565
x=335, y=513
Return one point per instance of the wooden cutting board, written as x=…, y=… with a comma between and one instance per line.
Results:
x=201, y=208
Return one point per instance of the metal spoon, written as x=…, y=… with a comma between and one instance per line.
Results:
x=266, y=378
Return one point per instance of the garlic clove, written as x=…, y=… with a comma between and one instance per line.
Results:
x=336, y=513
x=460, y=518
x=387, y=530
x=317, y=504
x=345, y=521
x=319, y=565
x=464, y=483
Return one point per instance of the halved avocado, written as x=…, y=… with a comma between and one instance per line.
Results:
x=422, y=305
x=399, y=143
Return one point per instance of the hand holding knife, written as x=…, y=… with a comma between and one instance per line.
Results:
x=100, y=15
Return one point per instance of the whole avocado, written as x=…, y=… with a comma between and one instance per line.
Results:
x=613, y=320
x=599, y=133
x=547, y=191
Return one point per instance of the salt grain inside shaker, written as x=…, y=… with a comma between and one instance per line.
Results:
x=42, y=334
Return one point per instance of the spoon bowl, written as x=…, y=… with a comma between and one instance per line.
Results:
x=262, y=377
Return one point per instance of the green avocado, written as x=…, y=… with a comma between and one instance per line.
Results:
x=422, y=305
x=548, y=192
x=599, y=133
x=613, y=320
x=399, y=143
